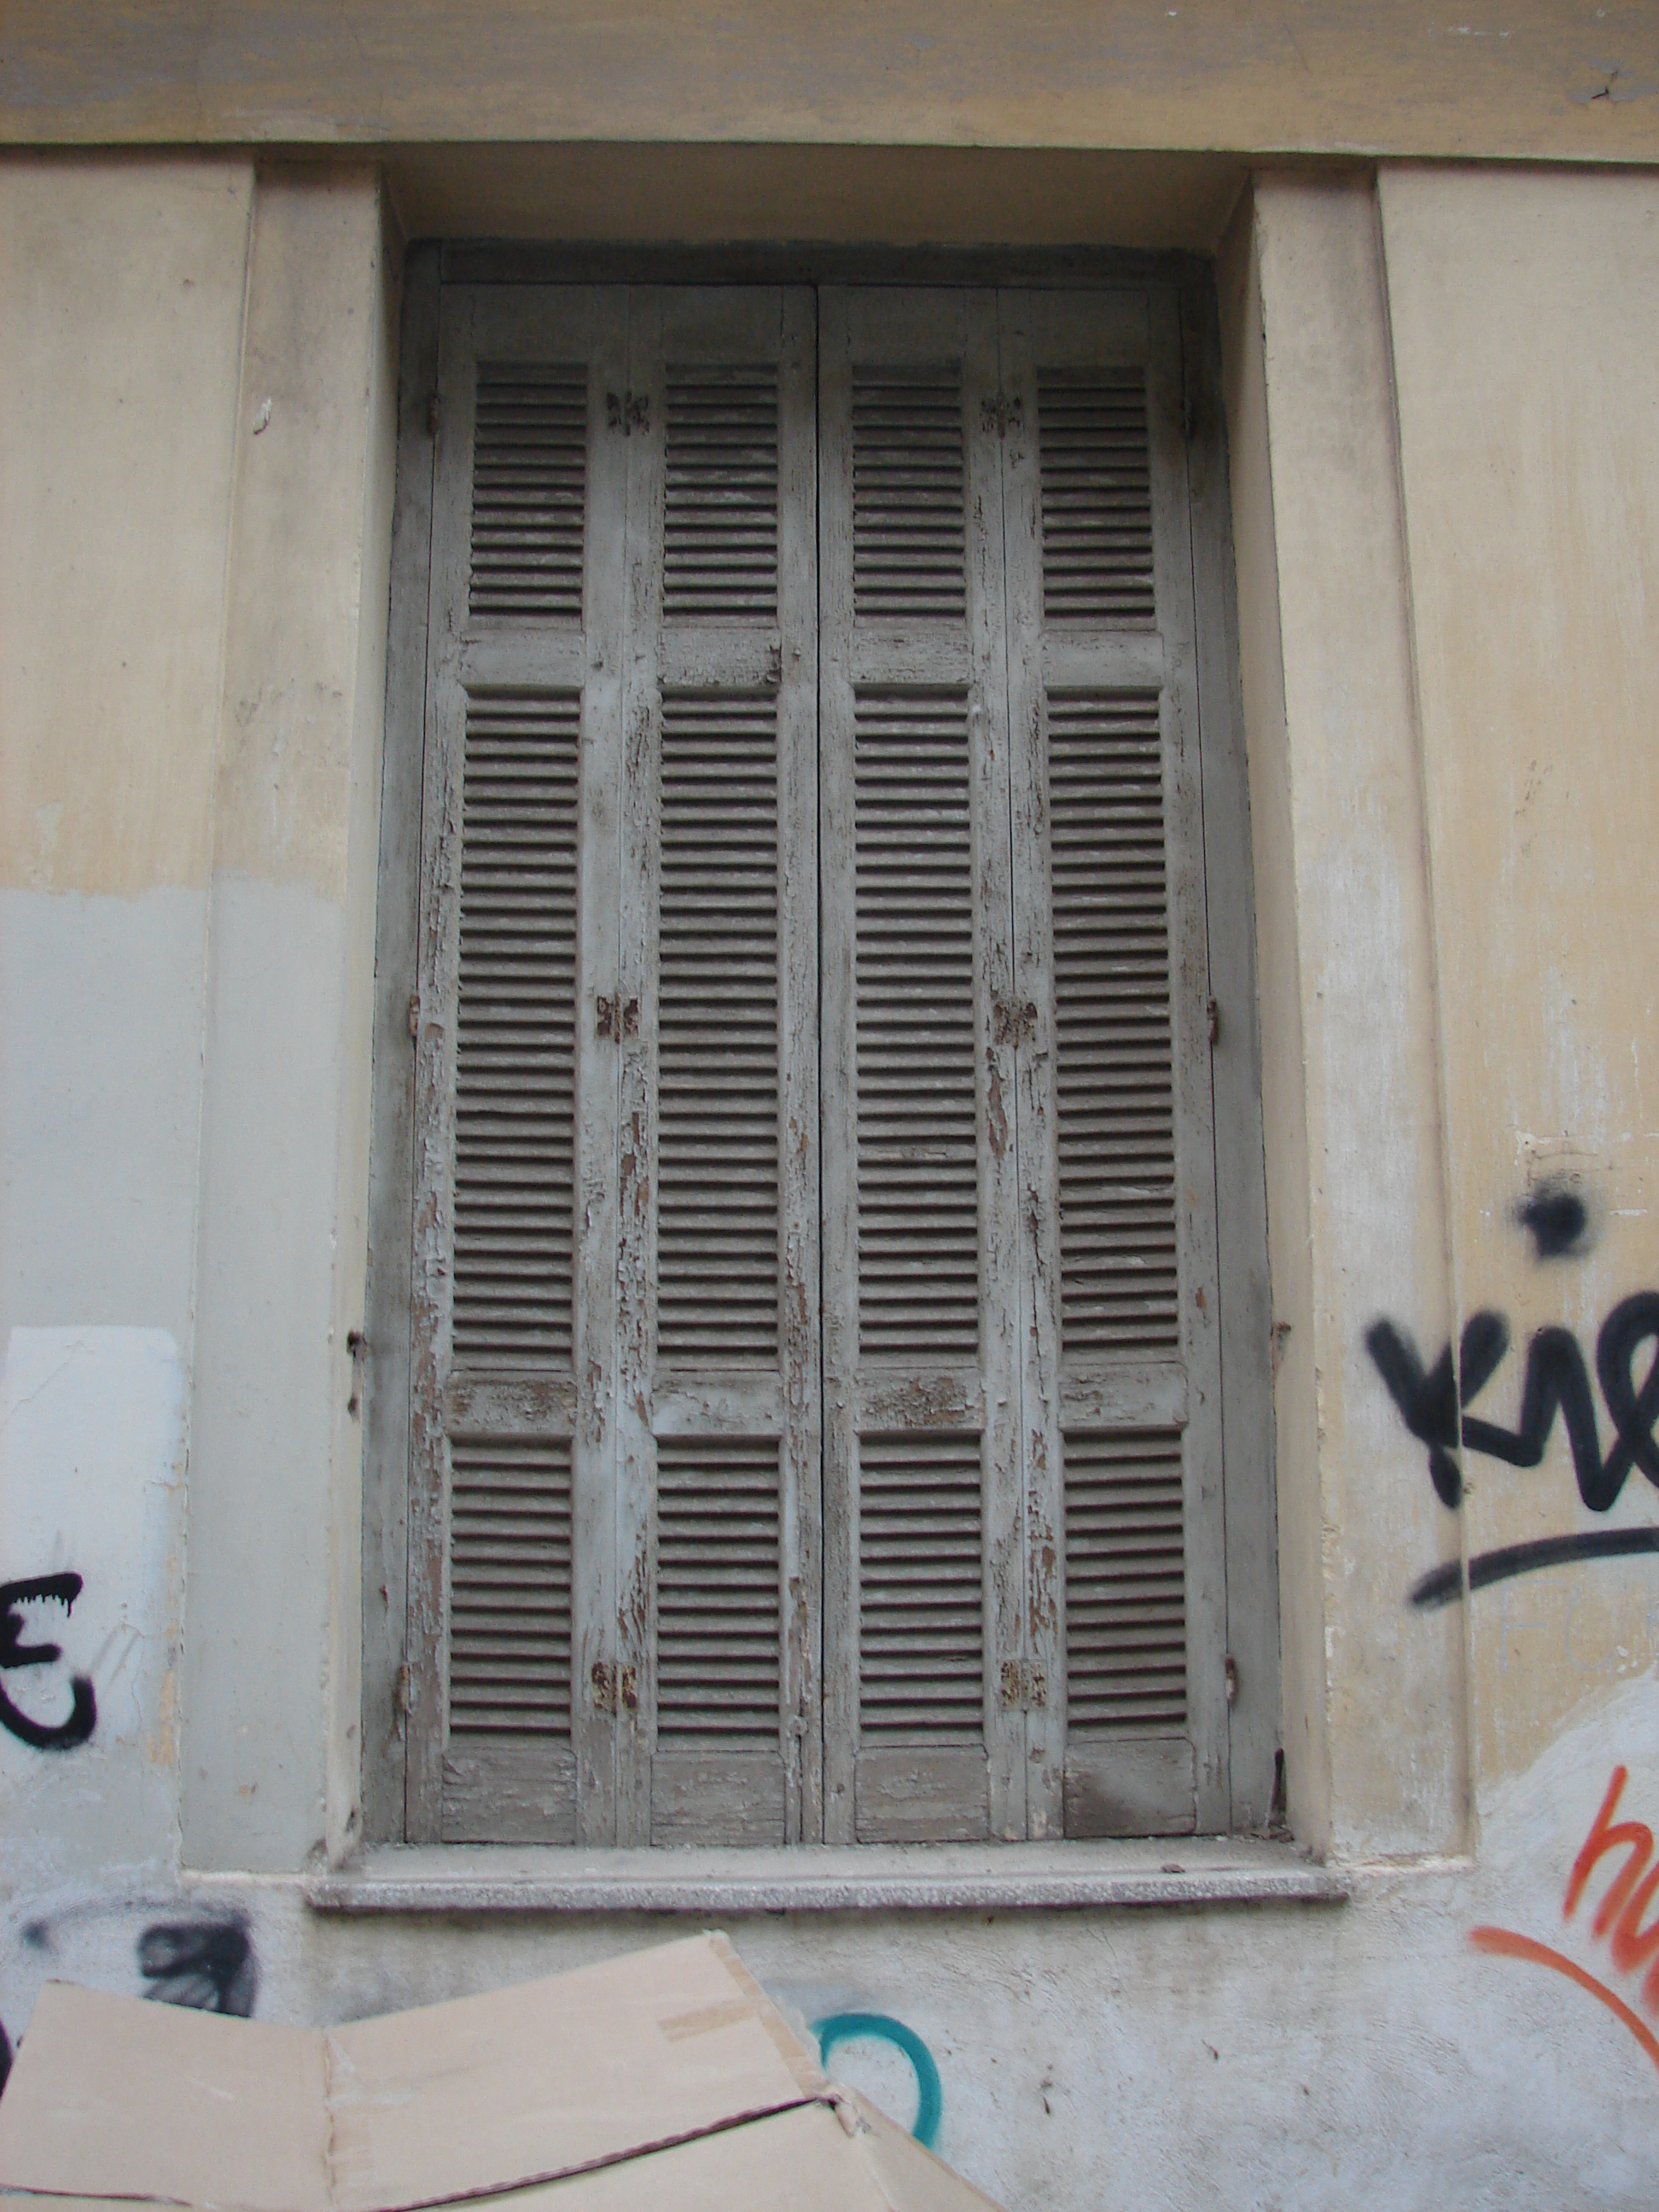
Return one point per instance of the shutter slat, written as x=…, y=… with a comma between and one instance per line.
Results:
x=920, y=1579
x=721, y=495
x=717, y=1594
x=509, y=1606
x=1096, y=496
x=1115, y=1073
x=717, y=1187
x=528, y=490
x=918, y=1182
x=1125, y=1613
x=515, y=1042
x=909, y=542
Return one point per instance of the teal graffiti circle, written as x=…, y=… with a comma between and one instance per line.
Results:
x=848, y=2026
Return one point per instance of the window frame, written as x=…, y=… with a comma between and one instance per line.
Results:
x=1186, y=287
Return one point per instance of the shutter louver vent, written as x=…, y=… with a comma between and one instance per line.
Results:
x=529, y=475
x=921, y=1590
x=918, y=1195
x=909, y=502
x=721, y=524
x=509, y=1604
x=717, y=1179
x=1126, y=1624
x=717, y=1594
x=1096, y=496
x=1114, y=1070
x=515, y=1035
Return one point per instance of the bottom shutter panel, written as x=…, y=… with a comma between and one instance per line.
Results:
x=922, y=1773
x=1130, y=1768
x=508, y=1773
x=718, y=1772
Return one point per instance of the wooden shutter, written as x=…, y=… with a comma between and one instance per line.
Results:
x=923, y=1631
x=717, y=1409
x=618, y=1540
x=617, y=1240
x=517, y=1109
x=1121, y=1382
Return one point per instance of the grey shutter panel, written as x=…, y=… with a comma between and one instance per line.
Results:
x=923, y=1580
x=717, y=1409
x=511, y=1506
x=1121, y=1376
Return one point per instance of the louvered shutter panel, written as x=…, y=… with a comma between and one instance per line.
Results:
x=1120, y=1317
x=718, y=1412
x=923, y=1577
x=511, y=1499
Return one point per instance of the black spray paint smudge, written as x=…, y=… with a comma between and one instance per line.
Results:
x=1558, y=1221
x=206, y=1965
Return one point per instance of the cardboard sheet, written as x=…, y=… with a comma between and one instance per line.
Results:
x=663, y=2077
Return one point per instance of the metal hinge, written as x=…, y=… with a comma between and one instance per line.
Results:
x=1012, y=1022
x=357, y=1346
x=614, y=1688
x=631, y=412
x=1002, y=414
x=616, y=1020
x=1024, y=1686
x=1213, y=1017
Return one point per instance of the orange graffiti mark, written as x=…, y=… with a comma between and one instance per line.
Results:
x=1618, y=1916
x=1504, y=1943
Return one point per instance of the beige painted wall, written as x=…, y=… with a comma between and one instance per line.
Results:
x=1576, y=79
x=1525, y=312
x=270, y=1711
x=1445, y=473
x=197, y=405
x=121, y=291
x=1374, y=1696
x=122, y=285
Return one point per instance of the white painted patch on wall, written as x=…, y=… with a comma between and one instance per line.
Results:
x=92, y=1446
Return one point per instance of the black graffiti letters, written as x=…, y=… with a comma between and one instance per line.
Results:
x=208, y=1964
x=1428, y=1400
x=42, y=1589
x=1557, y=1384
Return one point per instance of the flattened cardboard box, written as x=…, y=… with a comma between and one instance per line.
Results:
x=666, y=2077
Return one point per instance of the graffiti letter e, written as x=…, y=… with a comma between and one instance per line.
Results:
x=43, y=1590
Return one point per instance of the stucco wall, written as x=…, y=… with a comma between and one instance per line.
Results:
x=1444, y=433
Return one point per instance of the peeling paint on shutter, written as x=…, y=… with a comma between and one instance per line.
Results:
x=718, y=1434
x=922, y=1591
x=650, y=1601
x=523, y=599
x=1119, y=1291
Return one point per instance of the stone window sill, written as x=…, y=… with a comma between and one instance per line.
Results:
x=933, y=1877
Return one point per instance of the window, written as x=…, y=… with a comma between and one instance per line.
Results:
x=814, y=1420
